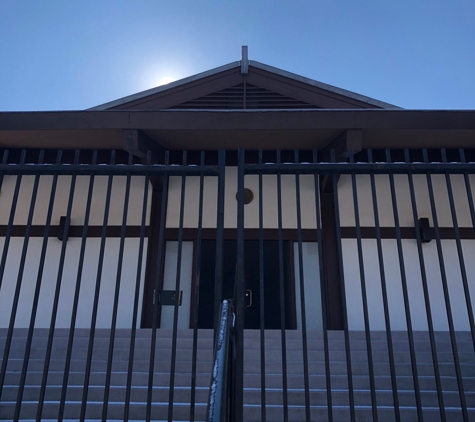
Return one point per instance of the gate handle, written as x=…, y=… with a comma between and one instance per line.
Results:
x=249, y=295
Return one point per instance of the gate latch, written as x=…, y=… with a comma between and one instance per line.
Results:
x=168, y=297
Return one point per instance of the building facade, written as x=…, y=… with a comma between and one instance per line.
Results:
x=323, y=210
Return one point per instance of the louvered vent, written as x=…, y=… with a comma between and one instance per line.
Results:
x=233, y=99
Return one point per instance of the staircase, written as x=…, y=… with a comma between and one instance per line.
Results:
x=252, y=375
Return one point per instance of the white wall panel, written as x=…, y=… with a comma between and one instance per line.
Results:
x=68, y=283
x=79, y=205
x=312, y=288
x=251, y=211
x=414, y=283
x=385, y=208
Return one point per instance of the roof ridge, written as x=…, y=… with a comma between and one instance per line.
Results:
x=252, y=63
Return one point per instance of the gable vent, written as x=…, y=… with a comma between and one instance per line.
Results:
x=233, y=99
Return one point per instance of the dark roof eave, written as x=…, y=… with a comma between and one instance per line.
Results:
x=240, y=119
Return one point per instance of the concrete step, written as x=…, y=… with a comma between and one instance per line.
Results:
x=250, y=380
x=117, y=378
x=250, y=367
x=206, y=353
x=293, y=342
x=274, y=396
x=252, y=413
x=101, y=365
x=181, y=411
x=252, y=377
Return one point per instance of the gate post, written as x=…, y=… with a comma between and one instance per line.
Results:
x=239, y=289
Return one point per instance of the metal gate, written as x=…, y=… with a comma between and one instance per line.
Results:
x=382, y=242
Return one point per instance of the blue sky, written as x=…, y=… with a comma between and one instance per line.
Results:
x=70, y=55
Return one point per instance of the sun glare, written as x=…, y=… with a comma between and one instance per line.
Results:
x=165, y=80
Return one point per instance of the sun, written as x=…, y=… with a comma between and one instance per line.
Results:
x=165, y=80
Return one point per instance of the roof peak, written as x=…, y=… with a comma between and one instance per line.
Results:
x=245, y=65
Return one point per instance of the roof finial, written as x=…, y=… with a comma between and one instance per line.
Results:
x=244, y=61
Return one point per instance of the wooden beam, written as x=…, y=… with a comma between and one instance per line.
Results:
x=138, y=143
x=349, y=140
x=334, y=298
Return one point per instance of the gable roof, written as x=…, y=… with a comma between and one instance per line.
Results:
x=261, y=87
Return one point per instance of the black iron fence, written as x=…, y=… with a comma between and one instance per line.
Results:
x=351, y=283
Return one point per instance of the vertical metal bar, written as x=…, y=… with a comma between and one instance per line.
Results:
x=239, y=300
x=425, y=288
x=96, y=293
x=6, y=247
x=118, y=280
x=384, y=291
x=56, y=293
x=8, y=233
x=218, y=278
x=171, y=389
x=197, y=293
x=445, y=287
x=405, y=292
x=158, y=276
x=16, y=295
x=4, y=161
x=72, y=327
x=138, y=279
x=323, y=292
x=282, y=293
x=470, y=204
x=343, y=292
x=463, y=270
x=302, y=292
x=262, y=297
x=467, y=186
x=364, y=297
x=36, y=295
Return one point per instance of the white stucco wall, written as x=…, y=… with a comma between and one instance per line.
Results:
x=347, y=219
x=411, y=258
x=251, y=212
x=134, y=216
x=352, y=281
x=385, y=208
x=68, y=281
x=312, y=288
x=414, y=283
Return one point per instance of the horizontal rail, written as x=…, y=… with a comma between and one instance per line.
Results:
x=359, y=168
x=107, y=169
x=269, y=168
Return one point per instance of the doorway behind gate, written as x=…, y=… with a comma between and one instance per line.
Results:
x=271, y=276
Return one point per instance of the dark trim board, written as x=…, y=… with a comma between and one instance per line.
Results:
x=74, y=231
x=310, y=235
x=446, y=233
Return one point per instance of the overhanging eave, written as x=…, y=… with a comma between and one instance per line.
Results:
x=288, y=129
